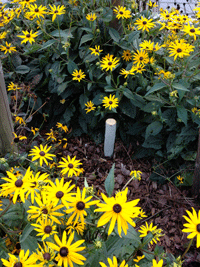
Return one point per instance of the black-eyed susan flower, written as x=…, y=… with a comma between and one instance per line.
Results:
x=126, y=55
x=51, y=136
x=89, y=106
x=91, y=16
x=37, y=11
x=110, y=102
x=59, y=191
x=7, y=48
x=124, y=72
x=13, y=87
x=78, y=75
x=34, y=130
x=41, y=154
x=16, y=186
x=117, y=209
x=139, y=256
x=44, y=208
x=147, y=45
x=113, y=263
x=28, y=36
x=180, y=179
x=109, y=63
x=193, y=225
x=179, y=48
x=78, y=227
x=67, y=252
x=157, y=264
x=145, y=229
x=136, y=175
x=78, y=205
x=45, y=228
x=45, y=255
x=191, y=30
x=20, y=120
x=3, y=35
x=144, y=24
x=139, y=68
x=63, y=142
x=122, y=12
x=56, y=11
x=22, y=260
x=37, y=181
x=96, y=51
x=62, y=127
x=70, y=166
x=141, y=57
x=152, y=4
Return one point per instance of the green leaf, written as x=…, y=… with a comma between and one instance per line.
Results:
x=128, y=93
x=107, y=14
x=179, y=86
x=182, y=114
x=22, y=69
x=153, y=142
x=29, y=243
x=156, y=87
x=114, y=35
x=47, y=44
x=153, y=129
x=71, y=66
x=62, y=87
x=26, y=232
x=128, y=108
x=85, y=38
x=110, y=181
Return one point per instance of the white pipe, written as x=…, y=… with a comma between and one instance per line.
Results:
x=109, y=141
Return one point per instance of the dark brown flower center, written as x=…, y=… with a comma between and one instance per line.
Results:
x=36, y=10
x=96, y=50
x=78, y=76
x=16, y=140
x=45, y=211
x=70, y=165
x=18, y=183
x=59, y=194
x=56, y=11
x=179, y=50
x=117, y=208
x=109, y=63
x=141, y=58
x=91, y=18
x=46, y=256
x=42, y=153
x=18, y=264
x=192, y=30
x=64, y=252
x=80, y=205
x=110, y=102
x=198, y=227
x=144, y=22
x=33, y=184
x=121, y=12
x=167, y=16
x=8, y=47
x=28, y=36
x=47, y=229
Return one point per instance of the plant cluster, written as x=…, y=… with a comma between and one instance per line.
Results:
x=93, y=60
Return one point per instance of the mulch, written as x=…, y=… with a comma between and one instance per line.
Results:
x=164, y=204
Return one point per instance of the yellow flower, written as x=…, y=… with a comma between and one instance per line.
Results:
x=180, y=179
x=69, y=166
x=180, y=49
x=140, y=57
x=78, y=205
x=78, y=75
x=3, y=35
x=13, y=86
x=147, y=45
x=136, y=175
x=62, y=127
x=108, y=62
x=174, y=93
x=20, y=120
x=193, y=225
x=124, y=72
x=151, y=4
x=144, y=24
x=191, y=30
x=78, y=227
x=155, y=264
x=67, y=252
x=18, y=138
x=56, y=10
x=110, y=102
x=62, y=101
x=34, y=130
x=8, y=48
x=91, y=17
x=96, y=51
x=41, y=154
x=51, y=136
x=122, y=12
x=118, y=209
x=45, y=255
x=22, y=260
x=63, y=142
x=89, y=106
x=28, y=36
x=45, y=228
x=37, y=11
x=113, y=263
x=126, y=55
x=144, y=230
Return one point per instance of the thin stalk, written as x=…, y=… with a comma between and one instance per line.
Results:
x=189, y=245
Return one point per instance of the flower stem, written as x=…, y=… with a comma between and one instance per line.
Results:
x=189, y=245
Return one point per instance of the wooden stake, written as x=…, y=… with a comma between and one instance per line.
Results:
x=109, y=141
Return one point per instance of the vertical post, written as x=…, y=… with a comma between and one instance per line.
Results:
x=6, y=124
x=196, y=178
x=109, y=141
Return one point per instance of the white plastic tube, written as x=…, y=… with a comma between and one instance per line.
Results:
x=110, y=134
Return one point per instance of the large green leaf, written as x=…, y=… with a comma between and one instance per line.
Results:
x=22, y=69
x=47, y=44
x=85, y=38
x=179, y=86
x=114, y=35
x=182, y=114
x=153, y=129
x=156, y=87
x=71, y=66
x=128, y=108
x=26, y=232
x=62, y=87
x=110, y=181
